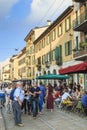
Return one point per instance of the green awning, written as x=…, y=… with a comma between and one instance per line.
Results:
x=53, y=76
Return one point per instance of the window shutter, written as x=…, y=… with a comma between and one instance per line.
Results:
x=60, y=54
x=56, y=53
x=66, y=47
x=70, y=47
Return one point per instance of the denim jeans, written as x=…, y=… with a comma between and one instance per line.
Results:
x=40, y=104
x=35, y=104
x=17, y=112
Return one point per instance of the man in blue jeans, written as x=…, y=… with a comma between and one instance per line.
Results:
x=17, y=104
x=41, y=97
x=34, y=92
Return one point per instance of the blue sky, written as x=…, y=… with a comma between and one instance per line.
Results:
x=18, y=17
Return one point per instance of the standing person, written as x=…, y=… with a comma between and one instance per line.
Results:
x=34, y=92
x=26, y=102
x=50, y=98
x=17, y=103
x=8, y=101
x=41, y=97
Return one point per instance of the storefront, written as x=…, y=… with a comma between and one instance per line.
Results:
x=77, y=72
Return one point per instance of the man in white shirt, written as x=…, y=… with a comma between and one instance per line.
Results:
x=65, y=96
x=17, y=103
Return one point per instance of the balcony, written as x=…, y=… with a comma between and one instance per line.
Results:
x=47, y=64
x=81, y=1
x=80, y=24
x=38, y=67
x=81, y=54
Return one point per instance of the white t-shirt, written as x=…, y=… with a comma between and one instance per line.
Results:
x=65, y=96
x=8, y=91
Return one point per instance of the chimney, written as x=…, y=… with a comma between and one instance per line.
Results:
x=48, y=22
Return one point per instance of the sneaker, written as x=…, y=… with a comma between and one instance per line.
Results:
x=21, y=125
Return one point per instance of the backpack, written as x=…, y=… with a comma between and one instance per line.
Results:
x=12, y=94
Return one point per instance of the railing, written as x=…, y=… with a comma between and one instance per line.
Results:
x=81, y=19
x=80, y=52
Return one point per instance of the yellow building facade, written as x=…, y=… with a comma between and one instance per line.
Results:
x=14, y=67
x=22, y=64
x=53, y=48
x=30, y=52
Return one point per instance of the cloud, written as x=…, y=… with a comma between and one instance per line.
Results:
x=42, y=10
x=6, y=6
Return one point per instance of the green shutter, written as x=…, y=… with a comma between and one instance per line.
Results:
x=56, y=53
x=70, y=47
x=60, y=54
x=46, y=58
x=66, y=45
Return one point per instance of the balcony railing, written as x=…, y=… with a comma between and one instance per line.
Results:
x=81, y=54
x=80, y=23
x=47, y=64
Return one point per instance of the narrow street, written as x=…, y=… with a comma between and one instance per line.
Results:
x=56, y=120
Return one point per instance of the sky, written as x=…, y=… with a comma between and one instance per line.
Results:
x=18, y=17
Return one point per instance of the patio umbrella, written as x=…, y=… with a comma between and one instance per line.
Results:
x=53, y=76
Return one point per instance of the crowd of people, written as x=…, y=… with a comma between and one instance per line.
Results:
x=18, y=98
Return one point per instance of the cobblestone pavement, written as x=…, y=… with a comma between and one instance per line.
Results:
x=56, y=120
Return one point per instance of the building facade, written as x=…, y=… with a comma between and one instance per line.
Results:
x=6, y=77
x=22, y=64
x=14, y=67
x=80, y=28
x=30, y=53
x=53, y=48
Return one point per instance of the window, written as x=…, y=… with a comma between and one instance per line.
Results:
x=76, y=15
x=68, y=23
x=68, y=48
x=33, y=60
x=54, y=35
x=54, y=71
x=48, y=39
x=44, y=72
x=44, y=42
x=43, y=59
x=53, y=55
x=77, y=44
x=48, y=72
x=40, y=45
x=60, y=30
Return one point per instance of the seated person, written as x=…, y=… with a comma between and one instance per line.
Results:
x=66, y=97
x=84, y=99
x=57, y=97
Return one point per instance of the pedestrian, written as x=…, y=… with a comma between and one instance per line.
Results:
x=27, y=102
x=50, y=97
x=34, y=92
x=17, y=103
x=8, y=101
x=41, y=97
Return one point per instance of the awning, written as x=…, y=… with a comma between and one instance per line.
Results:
x=79, y=68
x=52, y=76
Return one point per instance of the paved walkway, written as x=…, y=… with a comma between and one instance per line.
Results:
x=2, y=125
x=56, y=120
